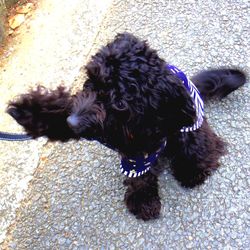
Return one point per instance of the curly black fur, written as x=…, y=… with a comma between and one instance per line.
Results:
x=43, y=112
x=130, y=102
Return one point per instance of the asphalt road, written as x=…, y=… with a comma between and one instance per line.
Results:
x=70, y=196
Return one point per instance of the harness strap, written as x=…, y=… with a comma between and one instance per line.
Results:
x=194, y=94
x=135, y=167
x=138, y=166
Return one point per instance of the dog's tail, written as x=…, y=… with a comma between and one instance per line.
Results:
x=218, y=83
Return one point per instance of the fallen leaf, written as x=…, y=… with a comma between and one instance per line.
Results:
x=10, y=32
x=16, y=21
x=44, y=158
x=24, y=9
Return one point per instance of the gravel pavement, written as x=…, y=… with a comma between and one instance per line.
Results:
x=70, y=196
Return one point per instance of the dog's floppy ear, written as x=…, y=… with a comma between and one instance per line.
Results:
x=177, y=107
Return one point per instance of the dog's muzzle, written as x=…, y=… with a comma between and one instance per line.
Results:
x=73, y=121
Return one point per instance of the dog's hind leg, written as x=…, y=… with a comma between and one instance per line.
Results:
x=43, y=113
x=142, y=198
x=195, y=155
x=218, y=83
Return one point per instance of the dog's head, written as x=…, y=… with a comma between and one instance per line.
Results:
x=130, y=99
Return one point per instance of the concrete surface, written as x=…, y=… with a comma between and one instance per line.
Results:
x=69, y=196
x=50, y=49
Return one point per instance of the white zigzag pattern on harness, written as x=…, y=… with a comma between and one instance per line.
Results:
x=198, y=103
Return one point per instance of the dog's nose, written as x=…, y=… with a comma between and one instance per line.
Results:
x=73, y=121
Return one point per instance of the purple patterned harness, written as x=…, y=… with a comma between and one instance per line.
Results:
x=137, y=166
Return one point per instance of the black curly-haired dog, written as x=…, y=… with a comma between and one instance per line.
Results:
x=137, y=104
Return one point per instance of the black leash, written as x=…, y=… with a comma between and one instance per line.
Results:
x=14, y=137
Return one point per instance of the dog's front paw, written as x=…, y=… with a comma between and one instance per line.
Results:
x=26, y=118
x=143, y=203
x=28, y=113
x=193, y=178
x=43, y=112
x=18, y=113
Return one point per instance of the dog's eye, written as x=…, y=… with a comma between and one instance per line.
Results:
x=120, y=105
x=101, y=93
